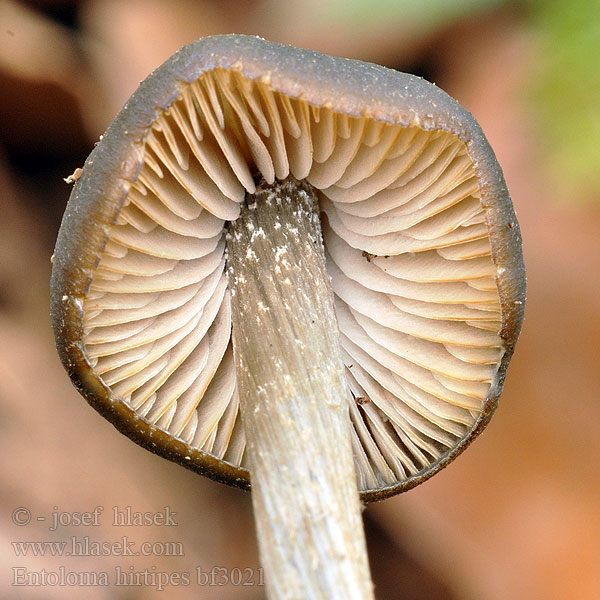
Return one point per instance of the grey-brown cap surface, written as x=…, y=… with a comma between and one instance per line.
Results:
x=422, y=244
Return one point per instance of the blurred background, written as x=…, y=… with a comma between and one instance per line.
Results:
x=518, y=515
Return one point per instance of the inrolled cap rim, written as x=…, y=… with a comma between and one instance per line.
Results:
x=309, y=78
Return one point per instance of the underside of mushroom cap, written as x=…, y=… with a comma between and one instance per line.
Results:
x=421, y=240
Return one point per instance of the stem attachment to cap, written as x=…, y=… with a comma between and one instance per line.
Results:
x=293, y=399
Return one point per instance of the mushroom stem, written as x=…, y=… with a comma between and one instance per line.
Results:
x=293, y=399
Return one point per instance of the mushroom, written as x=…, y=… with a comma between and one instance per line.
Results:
x=295, y=268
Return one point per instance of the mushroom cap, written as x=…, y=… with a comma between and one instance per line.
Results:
x=421, y=239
